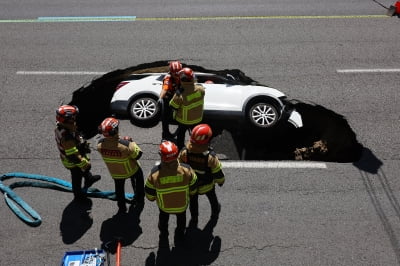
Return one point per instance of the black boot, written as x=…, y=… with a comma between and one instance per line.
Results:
x=179, y=238
x=90, y=180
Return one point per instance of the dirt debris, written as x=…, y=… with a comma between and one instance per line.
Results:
x=319, y=149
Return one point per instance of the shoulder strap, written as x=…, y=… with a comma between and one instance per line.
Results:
x=155, y=168
x=124, y=142
x=185, y=165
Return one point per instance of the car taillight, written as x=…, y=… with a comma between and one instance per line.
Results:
x=121, y=84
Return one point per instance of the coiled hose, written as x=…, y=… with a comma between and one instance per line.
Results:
x=29, y=215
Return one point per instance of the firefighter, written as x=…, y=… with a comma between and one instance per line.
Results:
x=204, y=161
x=121, y=157
x=170, y=83
x=171, y=183
x=73, y=150
x=187, y=102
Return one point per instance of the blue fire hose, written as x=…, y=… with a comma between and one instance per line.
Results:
x=15, y=203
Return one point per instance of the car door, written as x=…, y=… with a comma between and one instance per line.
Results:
x=221, y=96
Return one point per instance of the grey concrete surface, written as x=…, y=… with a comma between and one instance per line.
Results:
x=346, y=214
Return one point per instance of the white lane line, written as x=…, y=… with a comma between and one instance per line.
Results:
x=272, y=164
x=86, y=19
x=368, y=70
x=60, y=73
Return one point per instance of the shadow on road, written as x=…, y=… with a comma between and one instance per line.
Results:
x=201, y=248
x=380, y=192
x=368, y=162
x=76, y=220
x=123, y=227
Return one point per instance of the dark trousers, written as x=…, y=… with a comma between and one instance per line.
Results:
x=76, y=176
x=163, y=223
x=166, y=117
x=194, y=203
x=137, y=182
x=181, y=133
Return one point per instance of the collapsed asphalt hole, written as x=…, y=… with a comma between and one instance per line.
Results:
x=325, y=136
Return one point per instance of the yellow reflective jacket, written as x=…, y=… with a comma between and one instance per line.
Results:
x=188, y=106
x=171, y=184
x=206, y=165
x=120, y=156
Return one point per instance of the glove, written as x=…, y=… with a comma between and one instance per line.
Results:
x=127, y=138
x=87, y=167
x=84, y=148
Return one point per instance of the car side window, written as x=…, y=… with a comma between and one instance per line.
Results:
x=137, y=77
x=215, y=79
x=211, y=79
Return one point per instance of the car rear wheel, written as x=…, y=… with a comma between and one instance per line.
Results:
x=263, y=114
x=144, y=111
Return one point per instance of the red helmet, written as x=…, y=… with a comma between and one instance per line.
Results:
x=66, y=113
x=201, y=134
x=168, y=151
x=109, y=127
x=186, y=74
x=175, y=67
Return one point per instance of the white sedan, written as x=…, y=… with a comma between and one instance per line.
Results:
x=226, y=99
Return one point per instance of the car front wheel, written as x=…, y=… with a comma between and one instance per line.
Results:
x=144, y=111
x=263, y=115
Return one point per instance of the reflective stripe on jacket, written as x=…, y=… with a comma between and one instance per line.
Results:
x=189, y=105
x=120, y=156
x=171, y=184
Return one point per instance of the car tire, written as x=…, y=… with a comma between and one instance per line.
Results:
x=144, y=111
x=263, y=114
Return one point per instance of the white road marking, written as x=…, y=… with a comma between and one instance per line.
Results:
x=60, y=73
x=86, y=19
x=368, y=70
x=272, y=164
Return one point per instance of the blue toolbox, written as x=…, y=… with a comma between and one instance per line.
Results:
x=95, y=257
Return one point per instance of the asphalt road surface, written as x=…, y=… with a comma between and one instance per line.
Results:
x=343, y=56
